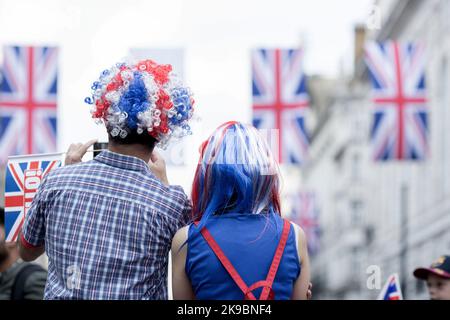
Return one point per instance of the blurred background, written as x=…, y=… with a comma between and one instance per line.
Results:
x=369, y=184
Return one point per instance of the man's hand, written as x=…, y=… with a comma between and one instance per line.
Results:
x=158, y=167
x=28, y=252
x=309, y=293
x=77, y=151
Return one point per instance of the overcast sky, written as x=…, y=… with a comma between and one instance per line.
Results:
x=216, y=37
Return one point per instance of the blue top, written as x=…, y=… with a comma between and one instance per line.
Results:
x=249, y=241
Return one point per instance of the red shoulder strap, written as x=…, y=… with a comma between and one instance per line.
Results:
x=267, y=284
x=225, y=262
x=276, y=261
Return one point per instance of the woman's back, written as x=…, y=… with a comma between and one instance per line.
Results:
x=249, y=241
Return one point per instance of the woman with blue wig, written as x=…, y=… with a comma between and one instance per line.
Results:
x=239, y=246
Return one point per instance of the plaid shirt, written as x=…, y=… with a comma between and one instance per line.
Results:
x=107, y=225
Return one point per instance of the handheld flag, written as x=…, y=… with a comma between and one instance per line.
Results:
x=23, y=177
x=392, y=289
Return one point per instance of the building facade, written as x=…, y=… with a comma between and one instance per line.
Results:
x=388, y=217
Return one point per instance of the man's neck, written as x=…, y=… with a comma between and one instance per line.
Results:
x=134, y=150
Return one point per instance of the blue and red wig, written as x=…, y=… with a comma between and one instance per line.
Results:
x=237, y=172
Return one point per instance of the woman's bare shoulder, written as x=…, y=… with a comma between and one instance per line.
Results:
x=180, y=237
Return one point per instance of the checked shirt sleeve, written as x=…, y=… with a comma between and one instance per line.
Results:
x=33, y=230
x=184, y=210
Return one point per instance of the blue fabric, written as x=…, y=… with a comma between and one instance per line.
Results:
x=249, y=241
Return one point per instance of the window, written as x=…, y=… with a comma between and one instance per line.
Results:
x=356, y=212
x=356, y=163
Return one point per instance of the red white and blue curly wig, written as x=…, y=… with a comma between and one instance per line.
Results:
x=142, y=98
x=237, y=172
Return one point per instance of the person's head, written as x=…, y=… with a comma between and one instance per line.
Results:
x=5, y=248
x=3, y=251
x=142, y=103
x=237, y=172
x=437, y=277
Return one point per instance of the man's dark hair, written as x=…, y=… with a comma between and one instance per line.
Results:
x=134, y=138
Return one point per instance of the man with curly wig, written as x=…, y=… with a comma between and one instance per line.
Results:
x=106, y=225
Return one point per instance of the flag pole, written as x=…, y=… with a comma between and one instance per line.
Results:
x=404, y=235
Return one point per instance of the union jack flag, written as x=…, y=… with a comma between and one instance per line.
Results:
x=391, y=290
x=28, y=92
x=400, y=124
x=279, y=101
x=23, y=177
x=305, y=213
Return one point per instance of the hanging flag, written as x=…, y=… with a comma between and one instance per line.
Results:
x=392, y=289
x=280, y=100
x=28, y=99
x=400, y=124
x=23, y=177
x=305, y=213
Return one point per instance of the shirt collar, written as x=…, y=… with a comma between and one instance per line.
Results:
x=122, y=161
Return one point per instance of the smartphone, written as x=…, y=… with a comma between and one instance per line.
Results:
x=99, y=147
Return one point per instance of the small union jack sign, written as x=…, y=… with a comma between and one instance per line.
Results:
x=23, y=177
